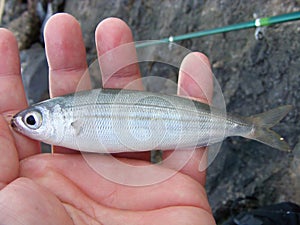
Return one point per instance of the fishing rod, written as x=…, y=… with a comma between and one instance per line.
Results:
x=256, y=23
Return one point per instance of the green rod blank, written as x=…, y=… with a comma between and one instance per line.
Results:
x=265, y=21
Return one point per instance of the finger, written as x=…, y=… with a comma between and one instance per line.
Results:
x=118, y=64
x=9, y=161
x=66, y=55
x=195, y=78
x=119, y=68
x=12, y=95
x=195, y=81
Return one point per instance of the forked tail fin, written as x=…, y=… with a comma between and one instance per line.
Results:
x=262, y=124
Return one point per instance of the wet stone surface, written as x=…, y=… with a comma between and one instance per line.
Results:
x=254, y=75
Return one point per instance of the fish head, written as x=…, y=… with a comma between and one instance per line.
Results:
x=34, y=122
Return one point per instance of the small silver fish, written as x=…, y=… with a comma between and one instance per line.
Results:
x=111, y=120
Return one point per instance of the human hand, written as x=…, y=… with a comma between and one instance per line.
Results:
x=61, y=188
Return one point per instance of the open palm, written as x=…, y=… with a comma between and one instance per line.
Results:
x=61, y=188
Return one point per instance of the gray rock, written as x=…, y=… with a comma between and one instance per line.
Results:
x=35, y=73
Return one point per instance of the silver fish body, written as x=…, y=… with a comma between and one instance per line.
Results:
x=111, y=120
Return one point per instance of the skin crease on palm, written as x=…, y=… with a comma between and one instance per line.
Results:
x=61, y=188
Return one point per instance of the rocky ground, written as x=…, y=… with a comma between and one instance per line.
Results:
x=255, y=75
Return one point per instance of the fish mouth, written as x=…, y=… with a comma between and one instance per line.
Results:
x=14, y=123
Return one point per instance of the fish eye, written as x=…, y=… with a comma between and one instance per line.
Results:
x=33, y=120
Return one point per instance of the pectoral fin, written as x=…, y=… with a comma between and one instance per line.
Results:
x=77, y=126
